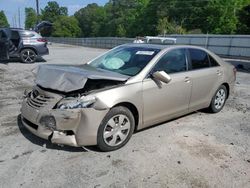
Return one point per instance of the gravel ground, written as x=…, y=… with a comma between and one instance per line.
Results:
x=197, y=150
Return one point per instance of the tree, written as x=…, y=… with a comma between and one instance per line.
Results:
x=244, y=17
x=221, y=18
x=121, y=31
x=3, y=20
x=147, y=21
x=92, y=20
x=30, y=18
x=124, y=15
x=130, y=18
x=166, y=27
x=52, y=11
x=66, y=26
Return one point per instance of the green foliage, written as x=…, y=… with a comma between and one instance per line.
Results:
x=123, y=16
x=63, y=25
x=30, y=18
x=52, y=11
x=3, y=20
x=165, y=27
x=221, y=18
x=244, y=17
x=92, y=20
x=121, y=31
x=66, y=26
x=130, y=18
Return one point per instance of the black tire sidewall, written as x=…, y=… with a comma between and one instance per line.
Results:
x=25, y=50
x=114, y=111
x=212, y=105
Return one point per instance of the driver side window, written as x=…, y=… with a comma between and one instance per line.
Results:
x=172, y=62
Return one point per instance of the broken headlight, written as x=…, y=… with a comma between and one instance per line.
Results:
x=72, y=103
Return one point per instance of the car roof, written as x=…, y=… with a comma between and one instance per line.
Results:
x=16, y=29
x=11, y=28
x=161, y=46
x=146, y=45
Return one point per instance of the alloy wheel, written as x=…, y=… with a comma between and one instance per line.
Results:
x=116, y=130
x=220, y=98
x=29, y=56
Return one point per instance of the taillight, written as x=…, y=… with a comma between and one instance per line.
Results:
x=234, y=70
x=41, y=40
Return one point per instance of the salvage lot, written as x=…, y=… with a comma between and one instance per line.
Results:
x=197, y=150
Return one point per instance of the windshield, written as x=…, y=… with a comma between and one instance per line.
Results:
x=125, y=60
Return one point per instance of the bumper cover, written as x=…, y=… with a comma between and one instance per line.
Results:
x=57, y=137
x=82, y=124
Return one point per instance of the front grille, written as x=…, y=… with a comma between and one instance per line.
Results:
x=38, y=101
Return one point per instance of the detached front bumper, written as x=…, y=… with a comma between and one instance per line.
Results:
x=76, y=127
x=58, y=137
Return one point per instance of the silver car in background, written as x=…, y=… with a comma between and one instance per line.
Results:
x=24, y=44
x=129, y=88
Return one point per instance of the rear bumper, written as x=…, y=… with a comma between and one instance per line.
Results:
x=42, y=50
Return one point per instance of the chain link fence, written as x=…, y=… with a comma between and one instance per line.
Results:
x=99, y=42
x=224, y=45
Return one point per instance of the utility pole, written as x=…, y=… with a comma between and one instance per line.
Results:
x=15, y=25
x=19, y=18
x=37, y=11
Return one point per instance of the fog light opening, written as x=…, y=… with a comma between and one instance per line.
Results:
x=48, y=121
x=69, y=133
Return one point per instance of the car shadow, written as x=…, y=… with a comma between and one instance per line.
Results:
x=18, y=60
x=161, y=123
x=45, y=143
x=42, y=142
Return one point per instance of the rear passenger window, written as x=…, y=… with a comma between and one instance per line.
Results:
x=199, y=59
x=213, y=62
x=172, y=62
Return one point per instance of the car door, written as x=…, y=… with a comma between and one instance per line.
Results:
x=15, y=42
x=164, y=101
x=4, y=46
x=204, y=77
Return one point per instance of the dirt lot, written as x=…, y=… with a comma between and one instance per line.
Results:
x=198, y=150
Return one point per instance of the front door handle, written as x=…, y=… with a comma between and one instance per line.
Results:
x=219, y=72
x=187, y=80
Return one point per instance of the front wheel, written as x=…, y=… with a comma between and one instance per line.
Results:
x=218, y=100
x=116, y=129
x=28, y=56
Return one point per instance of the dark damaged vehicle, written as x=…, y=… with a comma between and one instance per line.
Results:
x=129, y=88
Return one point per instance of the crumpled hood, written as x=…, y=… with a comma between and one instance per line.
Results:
x=67, y=78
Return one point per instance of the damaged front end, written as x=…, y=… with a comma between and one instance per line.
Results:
x=67, y=121
x=66, y=114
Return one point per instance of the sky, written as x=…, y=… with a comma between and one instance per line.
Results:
x=10, y=7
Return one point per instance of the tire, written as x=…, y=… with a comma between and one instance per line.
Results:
x=218, y=100
x=28, y=56
x=118, y=126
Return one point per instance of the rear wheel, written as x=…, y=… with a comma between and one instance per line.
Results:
x=218, y=100
x=116, y=129
x=28, y=56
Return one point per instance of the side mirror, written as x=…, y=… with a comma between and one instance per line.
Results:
x=162, y=76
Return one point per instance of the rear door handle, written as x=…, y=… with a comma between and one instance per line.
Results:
x=187, y=80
